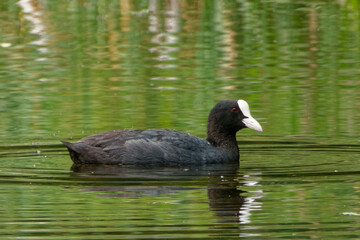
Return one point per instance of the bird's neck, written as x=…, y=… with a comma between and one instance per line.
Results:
x=219, y=137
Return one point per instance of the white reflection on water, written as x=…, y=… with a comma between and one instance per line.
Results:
x=251, y=203
x=33, y=13
x=166, y=37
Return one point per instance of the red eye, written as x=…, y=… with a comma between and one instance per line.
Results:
x=234, y=110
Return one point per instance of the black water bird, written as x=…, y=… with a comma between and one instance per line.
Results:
x=169, y=147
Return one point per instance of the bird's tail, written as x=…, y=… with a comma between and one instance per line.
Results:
x=82, y=153
x=73, y=151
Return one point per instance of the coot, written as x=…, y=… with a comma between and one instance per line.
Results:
x=169, y=147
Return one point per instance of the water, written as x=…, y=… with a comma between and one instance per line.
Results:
x=71, y=69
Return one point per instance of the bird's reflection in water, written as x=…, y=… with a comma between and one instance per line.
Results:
x=223, y=183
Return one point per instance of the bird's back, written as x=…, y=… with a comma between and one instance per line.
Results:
x=146, y=147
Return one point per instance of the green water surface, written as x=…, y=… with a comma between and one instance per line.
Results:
x=73, y=68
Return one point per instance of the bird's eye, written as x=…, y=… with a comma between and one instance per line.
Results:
x=234, y=110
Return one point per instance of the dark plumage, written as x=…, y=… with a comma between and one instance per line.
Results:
x=169, y=147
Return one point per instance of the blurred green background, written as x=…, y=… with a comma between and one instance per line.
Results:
x=73, y=68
